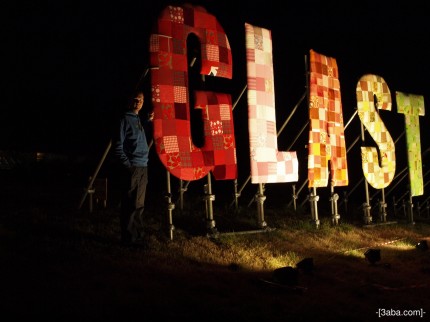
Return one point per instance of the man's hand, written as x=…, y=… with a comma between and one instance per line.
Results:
x=150, y=116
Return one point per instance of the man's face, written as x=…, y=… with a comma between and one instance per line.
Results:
x=137, y=102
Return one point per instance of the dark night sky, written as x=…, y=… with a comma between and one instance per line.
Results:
x=70, y=66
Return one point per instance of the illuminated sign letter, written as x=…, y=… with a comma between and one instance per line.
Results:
x=268, y=165
x=326, y=134
x=413, y=106
x=170, y=97
x=378, y=171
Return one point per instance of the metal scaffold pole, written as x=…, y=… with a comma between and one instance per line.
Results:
x=209, y=198
x=294, y=197
x=410, y=209
x=334, y=197
x=260, y=198
x=90, y=190
x=367, y=216
x=382, y=208
x=313, y=200
x=298, y=192
x=182, y=189
x=170, y=206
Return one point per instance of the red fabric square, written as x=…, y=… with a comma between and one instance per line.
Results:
x=181, y=111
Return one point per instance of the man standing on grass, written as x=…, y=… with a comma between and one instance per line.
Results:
x=131, y=149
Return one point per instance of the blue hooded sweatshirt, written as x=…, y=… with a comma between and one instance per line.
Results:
x=130, y=145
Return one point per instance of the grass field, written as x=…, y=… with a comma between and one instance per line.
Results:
x=64, y=264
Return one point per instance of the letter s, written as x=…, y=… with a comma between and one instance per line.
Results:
x=367, y=87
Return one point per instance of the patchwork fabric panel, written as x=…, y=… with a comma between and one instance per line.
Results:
x=170, y=95
x=379, y=169
x=413, y=107
x=268, y=165
x=326, y=133
x=218, y=127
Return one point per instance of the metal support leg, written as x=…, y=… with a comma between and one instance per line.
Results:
x=333, y=200
x=260, y=198
x=209, y=198
x=410, y=210
x=382, y=211
x=334, y=215
x=170, y=207
x=182, y=189
x=90, y=192
x=313, y=200
x=383, y=208
x=367, y=216
x=295, y=196
x=236, y=195
x=93, y=177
